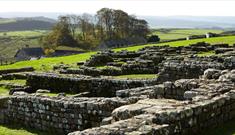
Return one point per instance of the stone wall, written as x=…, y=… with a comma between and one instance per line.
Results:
x=77, y=84
x=186, y=69
x=162, y=116
x=208, y=102
x=24, y=69
x=169, y=90
x=59, y=115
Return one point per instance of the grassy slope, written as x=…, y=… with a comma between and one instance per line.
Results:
x=228, y=39
x=16, y=130
x=14, y=40
x=182, y=33
x=9, y=48
x=47, y=63
x=4, y=21
x=23, y=33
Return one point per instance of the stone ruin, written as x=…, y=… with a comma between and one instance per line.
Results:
x=189, y=94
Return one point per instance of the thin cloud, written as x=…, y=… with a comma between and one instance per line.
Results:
x=138, y=7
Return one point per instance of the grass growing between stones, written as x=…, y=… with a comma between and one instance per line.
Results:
x=16, y=81
x=107, y=67
x=4, y=91
x=136, y=76
x=226, y=129
x=16, y=130
x=202, y=54
x=47, y=64
x=55, y=94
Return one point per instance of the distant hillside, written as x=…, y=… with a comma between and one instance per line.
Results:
x=217, y=22
x=29, y=23
x=201, y=22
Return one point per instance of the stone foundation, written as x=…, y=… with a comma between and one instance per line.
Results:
x=99, y=87
x=60, y=115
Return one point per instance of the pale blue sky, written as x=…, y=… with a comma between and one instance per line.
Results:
x=138, y=7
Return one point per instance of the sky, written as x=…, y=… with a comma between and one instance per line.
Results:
x=136, y=7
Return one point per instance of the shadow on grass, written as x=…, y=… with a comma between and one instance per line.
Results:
x=19, y=130
x=225, y=129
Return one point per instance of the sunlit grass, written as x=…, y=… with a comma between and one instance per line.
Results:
x=4, y=91
x=209, y=53
x=26, y=33
x=16, y=81
x=48, y=63
x=17, y=130
x=227, y=39
x=136, y=76
x=182, y=33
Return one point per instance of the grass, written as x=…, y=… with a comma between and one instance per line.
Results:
x=168, y=34
x=55, y=94
x=27, y=33
x=4, y=21
x=227, y=39
x=3, y=92
x=48, y=63
x=10, y=45
x=226, y=129
x=210, y=53
x=11, y=41
x=17, y=130
x=16, y=81
x=136, y=76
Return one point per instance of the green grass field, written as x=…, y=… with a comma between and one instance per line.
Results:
x=168, y=34
x=32, y=33
x=4, y=21
x=17, y=130
x=11, y=41
x=227, y=39
x=47, y=63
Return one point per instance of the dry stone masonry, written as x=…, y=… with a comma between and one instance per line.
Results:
x=190, y=93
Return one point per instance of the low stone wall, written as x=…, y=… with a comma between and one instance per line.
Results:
x=169, y=90
x=12, y=76
x=162, y=116
x=177, y=69
x=100, y=87
x=24, y=69
x=58, y=115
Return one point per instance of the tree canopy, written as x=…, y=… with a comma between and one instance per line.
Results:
x=87, y=31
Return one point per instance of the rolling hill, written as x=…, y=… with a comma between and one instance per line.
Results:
x=211, y=22
x=26, y=23
x=215, y=22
